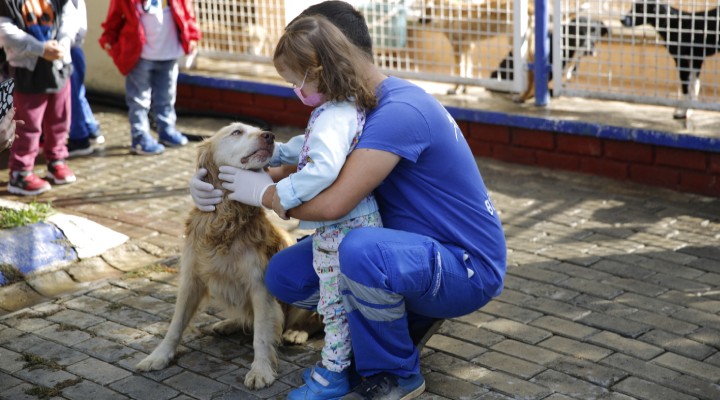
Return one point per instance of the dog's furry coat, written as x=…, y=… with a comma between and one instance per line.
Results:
x=225, y=255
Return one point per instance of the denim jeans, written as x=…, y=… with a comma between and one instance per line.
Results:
x=83, y=122
x=152, y=86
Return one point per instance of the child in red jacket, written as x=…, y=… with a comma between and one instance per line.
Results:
x=145, y=39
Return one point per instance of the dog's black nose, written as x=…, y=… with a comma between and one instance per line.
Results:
x=268, y=136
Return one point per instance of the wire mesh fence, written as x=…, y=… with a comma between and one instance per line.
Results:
x=647, y=51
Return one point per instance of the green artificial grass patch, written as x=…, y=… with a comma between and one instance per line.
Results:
x=33, y=213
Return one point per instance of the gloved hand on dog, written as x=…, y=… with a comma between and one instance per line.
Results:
x=245, y=186
x=204, y=195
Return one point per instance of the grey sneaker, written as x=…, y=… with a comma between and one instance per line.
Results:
x=385, y=386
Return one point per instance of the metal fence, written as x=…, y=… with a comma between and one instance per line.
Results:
x=656, y=52
x=452, y=41
x=603, y=49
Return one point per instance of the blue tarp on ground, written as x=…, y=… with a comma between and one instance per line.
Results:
x=33, y=247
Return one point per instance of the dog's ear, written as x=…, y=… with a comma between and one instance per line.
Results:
x=205, y=160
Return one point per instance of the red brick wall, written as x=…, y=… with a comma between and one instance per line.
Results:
x=683, y=170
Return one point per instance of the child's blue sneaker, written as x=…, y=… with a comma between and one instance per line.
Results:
x=388, y=387
x=145, y=145
x=175, y=139
x=321, y=384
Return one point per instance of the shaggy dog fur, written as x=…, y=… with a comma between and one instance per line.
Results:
x=225, y=255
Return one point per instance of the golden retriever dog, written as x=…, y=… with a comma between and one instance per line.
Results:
x=225, y=255
x=465, y=23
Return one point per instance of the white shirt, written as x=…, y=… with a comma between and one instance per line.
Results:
x=162, y=41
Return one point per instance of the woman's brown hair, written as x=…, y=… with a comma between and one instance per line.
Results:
x=315, y=46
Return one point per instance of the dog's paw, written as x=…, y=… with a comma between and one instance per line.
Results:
x=261, y=375
x=154, y=362
x=295, y=336
x=682, y=113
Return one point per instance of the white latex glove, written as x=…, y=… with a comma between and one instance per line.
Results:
x=204, y=195
x=245, y=186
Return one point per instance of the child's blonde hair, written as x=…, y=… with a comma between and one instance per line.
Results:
x=315, y=46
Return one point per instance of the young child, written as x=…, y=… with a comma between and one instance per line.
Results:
x=315, y=57
x=84, y=128
x=145, y=38
x=37, y=43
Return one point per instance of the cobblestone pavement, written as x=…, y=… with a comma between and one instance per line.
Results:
x=612, y=292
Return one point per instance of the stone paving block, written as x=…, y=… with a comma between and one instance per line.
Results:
x=18, y=296
x=678, y=344
x=512, y=365
x=460, y=369
x=621, y=326
x=220, y=347
x=623, y=270
x=459, y=348
x=76, y=318
x=526, y=352
x=638, y=301
x=52, y=284
x=88, y=305
x=568, y=385
x=578, y=271
x=645, y=390
x=480, y=337
x=129, y=257
x=509, y=311
x=576, y=349
x=698, y=318
x=63, y=335
x=558, y=309
x=196, y=385
x=512, y=386
x=149, y=304
x=688, y=366
x=640, y=368
x=517, y=331
x=19, y=393
x=205, y=364
x=563, y=327
x=7, y=382
x=97, y=371
x=9, y=334
x=104, y=349
x=92, y=270
x=110, y=293
x=44, y=377
x=10, y=361
x=710, y=337
x=140, y=388
x=87, y=390
x=609, y=307
x=452, y=388
x=634, y=286
x=695, y=387
x=26, y=323
x=632, y=347
x=538, y=274
x=116, y=332
x=539, y=289
x=588, y=371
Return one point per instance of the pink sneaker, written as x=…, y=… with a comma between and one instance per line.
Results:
x=26, y=183
x=59, y=172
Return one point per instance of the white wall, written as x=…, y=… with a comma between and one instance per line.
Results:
x=101, y=75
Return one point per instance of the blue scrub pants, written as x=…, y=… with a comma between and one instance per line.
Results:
x=388, y=277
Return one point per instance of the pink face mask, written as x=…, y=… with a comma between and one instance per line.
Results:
x=313, y=100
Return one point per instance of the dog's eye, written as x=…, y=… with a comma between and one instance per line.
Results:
x=236, y=132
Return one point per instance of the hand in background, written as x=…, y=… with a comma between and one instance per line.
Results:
x=7, y=129
x=53, y=50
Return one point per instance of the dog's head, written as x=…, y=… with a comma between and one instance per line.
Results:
x=644, y=12
x=239, y=145
x=583, y=34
